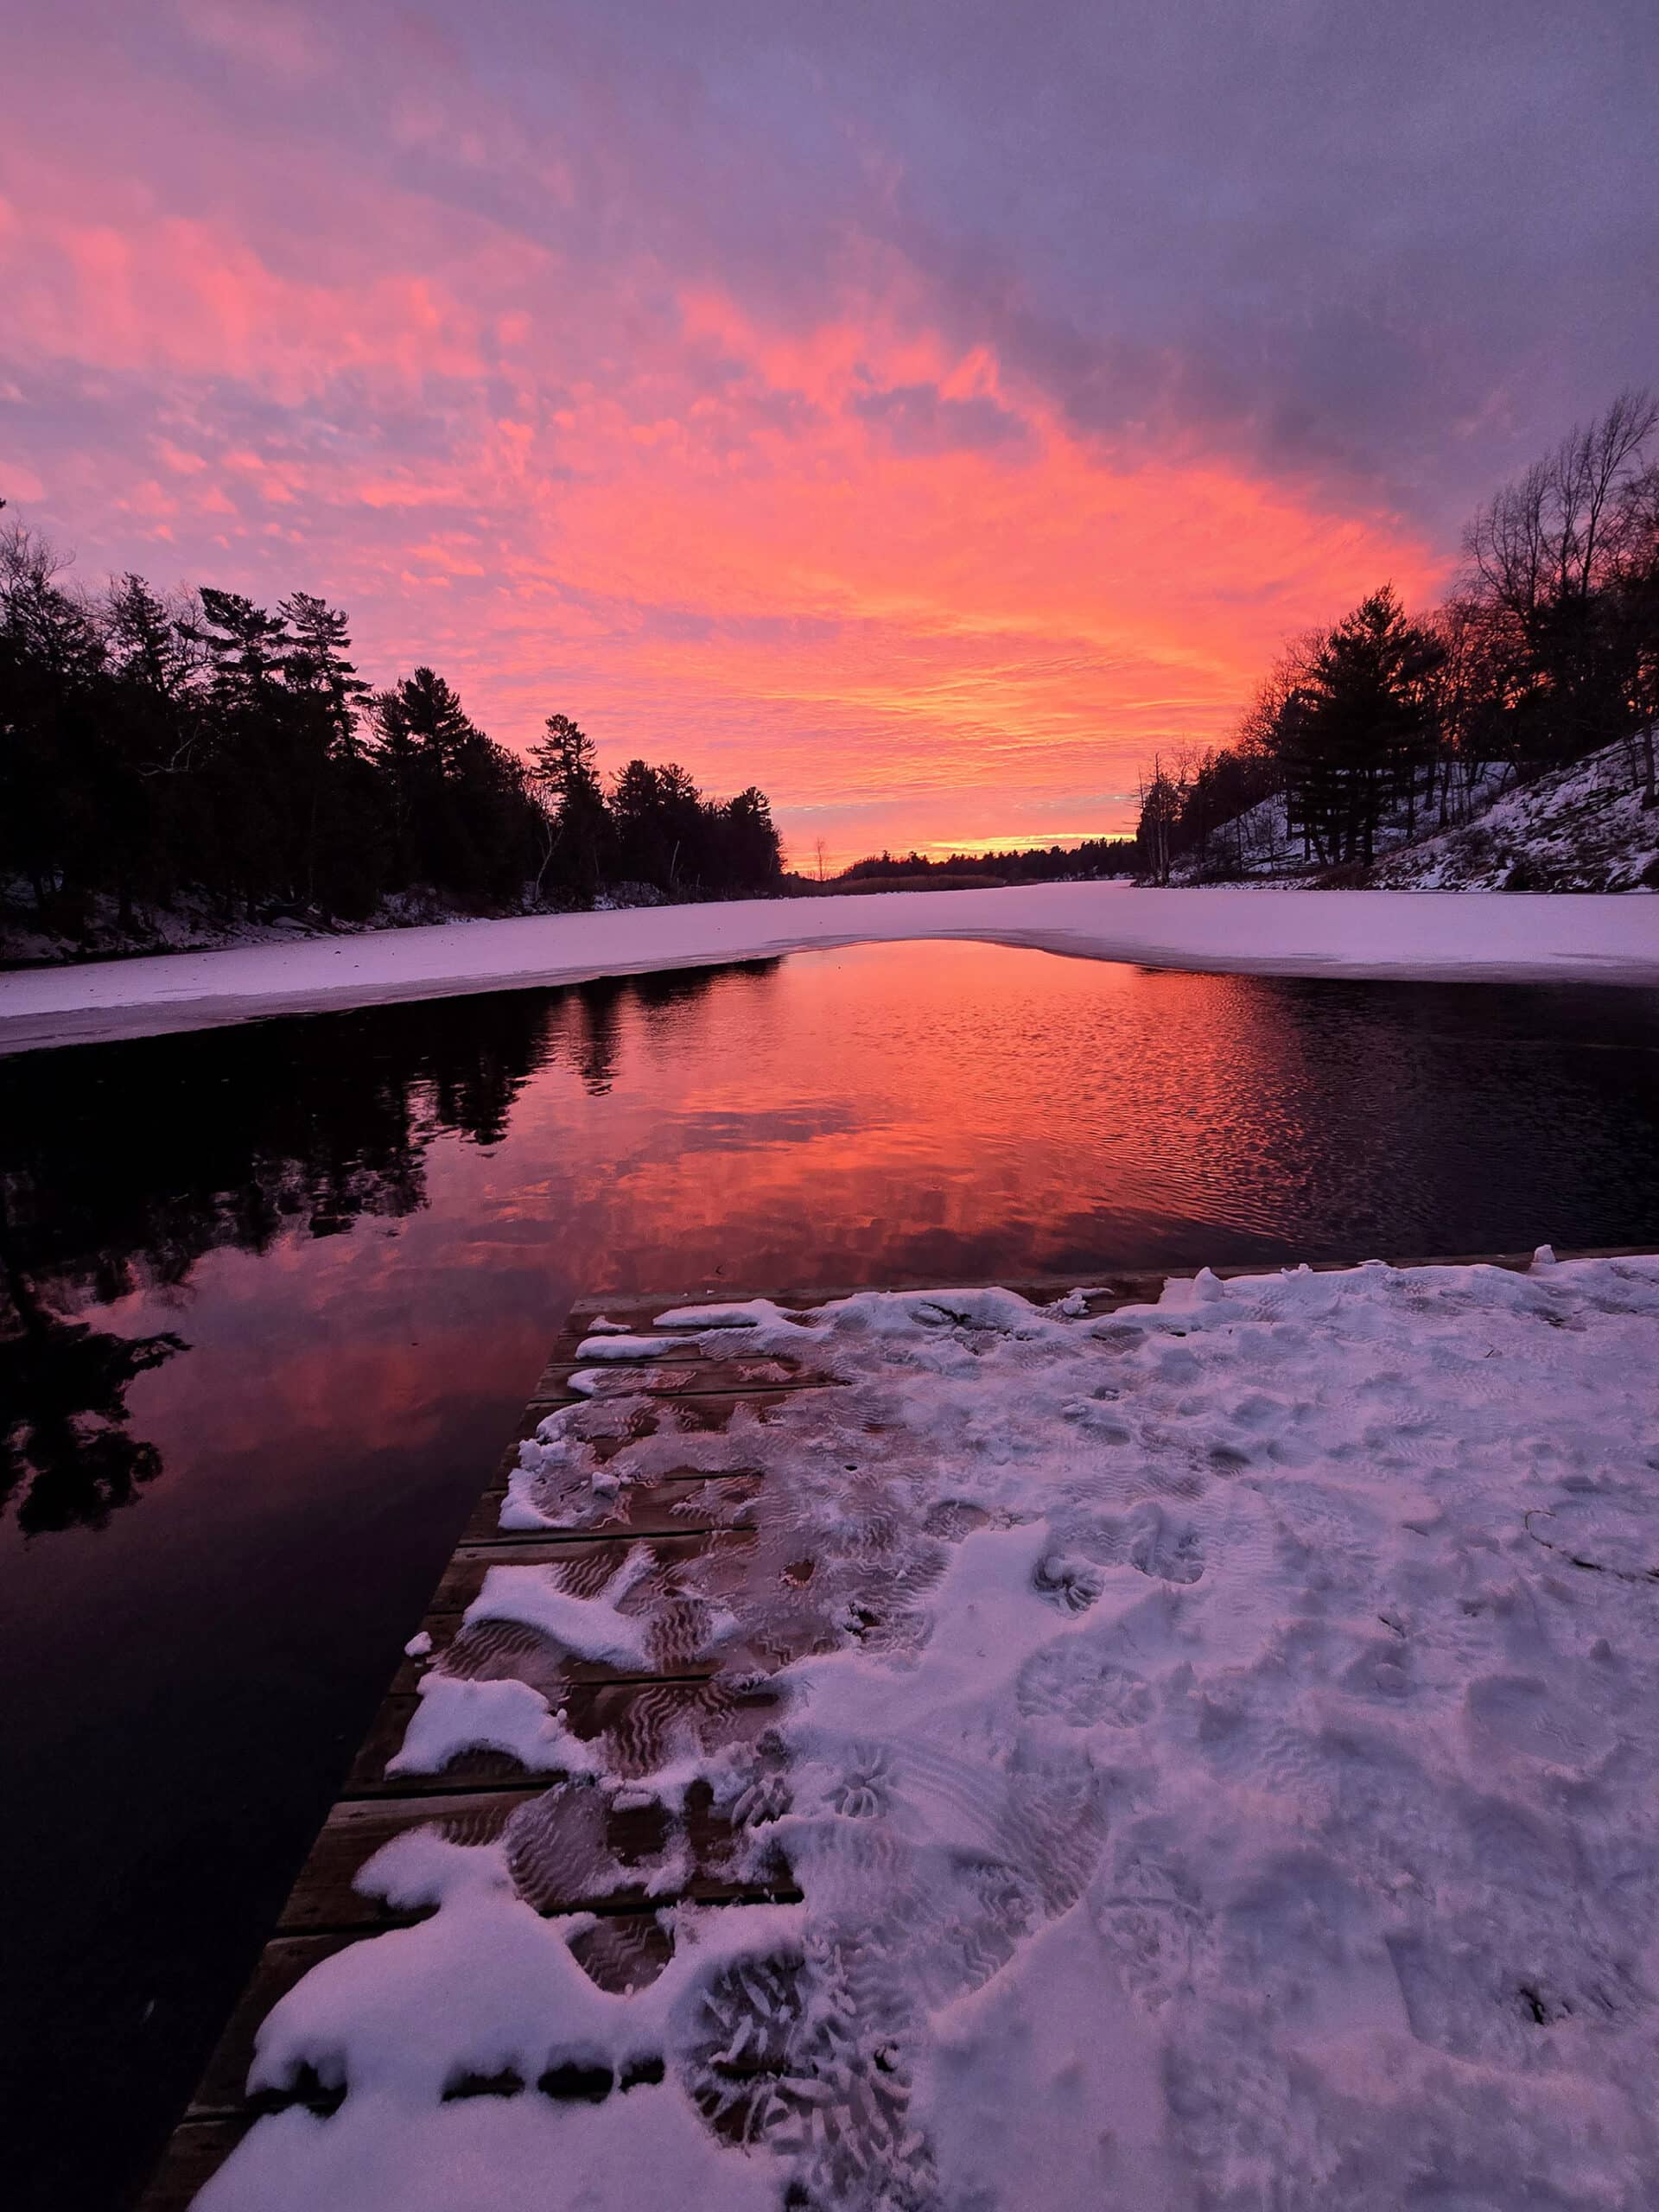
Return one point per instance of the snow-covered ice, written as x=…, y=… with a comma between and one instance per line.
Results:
x=1587, y=937
x=1218, y=1762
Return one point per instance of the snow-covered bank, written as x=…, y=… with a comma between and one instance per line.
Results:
x=1218, y=1770
x=1579, y=828
x=1268, y=931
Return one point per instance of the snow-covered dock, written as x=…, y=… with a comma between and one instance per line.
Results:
x=1177, y=1742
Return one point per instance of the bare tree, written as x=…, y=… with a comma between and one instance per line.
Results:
x=1160, y=805
x=1548, y=561
x=1555, y=533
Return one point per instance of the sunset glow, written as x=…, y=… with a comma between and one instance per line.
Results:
x=653, y=390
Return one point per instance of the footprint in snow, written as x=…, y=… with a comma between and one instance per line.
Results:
x=1072, y=1679
x=1072, y=1584
x=1162, y=1546
x=1540, y=1719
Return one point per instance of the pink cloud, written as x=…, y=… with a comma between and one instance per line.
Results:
x=279, y=42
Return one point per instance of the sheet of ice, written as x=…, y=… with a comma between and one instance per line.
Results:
x=1607, y=938
x=1230, y=1785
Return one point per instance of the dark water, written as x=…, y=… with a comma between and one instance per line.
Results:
x=272, y=1298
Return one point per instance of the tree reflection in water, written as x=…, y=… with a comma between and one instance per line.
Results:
x=125, y=1164
x=66, y=1457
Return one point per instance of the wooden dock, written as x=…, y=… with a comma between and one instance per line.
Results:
x=569, y=1849
x=684, y=1516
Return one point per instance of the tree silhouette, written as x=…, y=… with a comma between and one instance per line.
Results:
x=564, y=767
x=65, y=1454
x=1547, y=650
x=1360, y=726
x=209, y=751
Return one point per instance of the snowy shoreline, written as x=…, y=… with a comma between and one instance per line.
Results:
x=1377, y=935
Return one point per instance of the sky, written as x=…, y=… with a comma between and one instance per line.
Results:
x=927, y=410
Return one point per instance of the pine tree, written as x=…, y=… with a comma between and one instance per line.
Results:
x=754, y=850
x=148, y=642
x=422, y=716
x=1357, y=730
x=246, y=646
x=564, y=768
x=316, y=666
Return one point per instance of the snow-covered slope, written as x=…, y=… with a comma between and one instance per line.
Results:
x=1580, y=829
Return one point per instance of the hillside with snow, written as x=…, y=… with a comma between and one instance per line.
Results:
x=1580, y=828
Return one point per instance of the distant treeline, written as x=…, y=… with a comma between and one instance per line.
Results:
x=1095, y=856
x=1547, y=650
x=197, y=748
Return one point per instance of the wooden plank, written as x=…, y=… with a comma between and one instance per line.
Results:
x=322, y=1898
x=639, y=1718
x=626, y=1948
x=693, y=1413
x=687, y=1411
x=629, y=1837
x=284, y=1963
x=586, y=1563
x=690, y=1502
x=195, y=2151
x=524, y=1657
x=663, y=1378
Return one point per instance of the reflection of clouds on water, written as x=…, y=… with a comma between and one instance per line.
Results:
x=731, y=1129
